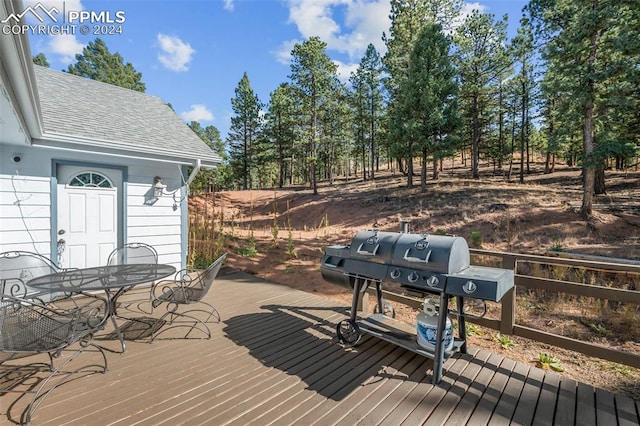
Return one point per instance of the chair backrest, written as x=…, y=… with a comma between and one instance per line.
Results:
x=133, y=253
x=206, y=278
x=18, y=267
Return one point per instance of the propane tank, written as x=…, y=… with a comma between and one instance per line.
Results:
x=427, y=326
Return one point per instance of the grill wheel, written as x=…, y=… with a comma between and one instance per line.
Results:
x=348, y=332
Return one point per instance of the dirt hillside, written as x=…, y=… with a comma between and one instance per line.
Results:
x=290, y=229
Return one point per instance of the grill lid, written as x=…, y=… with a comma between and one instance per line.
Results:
x=434, y=253
x=373, y=246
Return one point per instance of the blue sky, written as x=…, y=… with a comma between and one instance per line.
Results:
x=193, y=53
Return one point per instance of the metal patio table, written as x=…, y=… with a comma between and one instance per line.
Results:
x=114, y=280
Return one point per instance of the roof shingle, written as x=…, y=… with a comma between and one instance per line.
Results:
x=80, y=108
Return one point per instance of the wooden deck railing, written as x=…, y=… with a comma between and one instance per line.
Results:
x=506, y=324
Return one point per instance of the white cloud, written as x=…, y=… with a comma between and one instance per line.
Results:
x=66, y=46
x=198, y=112
x=345, y=70
x=364, y=22
x=347, y=26
x=62, y=47
x=467, y=8
x=283, y=55
x=176, y=54
x=228, y=5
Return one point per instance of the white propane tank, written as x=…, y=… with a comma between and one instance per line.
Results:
x=427, y=325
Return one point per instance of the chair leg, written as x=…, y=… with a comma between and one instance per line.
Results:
x=212, y=312
x=171, y=317
x=56, y=376
x=38, y=398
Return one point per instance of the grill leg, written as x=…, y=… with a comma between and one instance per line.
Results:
x=379, y=296
x=462, y=330
x=357, y=285
x=438, y=358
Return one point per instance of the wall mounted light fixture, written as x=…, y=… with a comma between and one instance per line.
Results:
x=158, y=187
x=156, y=191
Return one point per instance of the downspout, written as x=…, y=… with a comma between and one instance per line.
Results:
x=185, y=212
x=194, y=172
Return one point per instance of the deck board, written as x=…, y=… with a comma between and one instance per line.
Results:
x=456, y=393
x=510, y=396
x=528, y=399
x=492, y=393
x=544, y=415
x=626, y=411
x=274, y=359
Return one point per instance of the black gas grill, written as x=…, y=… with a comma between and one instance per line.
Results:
x=423, y=263
x=419, y=262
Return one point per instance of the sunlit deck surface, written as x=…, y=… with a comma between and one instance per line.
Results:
x=273, y=359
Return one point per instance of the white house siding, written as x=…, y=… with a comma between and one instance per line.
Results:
x=25, y=200
x=159, y=224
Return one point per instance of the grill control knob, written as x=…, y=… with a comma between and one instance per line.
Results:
x=469, y=287
x=413, y=277
x=432, y=281
x=395, y=274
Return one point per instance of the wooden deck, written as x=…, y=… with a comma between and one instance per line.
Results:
x=273, y=359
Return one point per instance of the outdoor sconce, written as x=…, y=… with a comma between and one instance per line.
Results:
x=158, y=187
x=156, y=191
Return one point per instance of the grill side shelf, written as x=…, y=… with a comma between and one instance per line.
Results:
x=400, y=333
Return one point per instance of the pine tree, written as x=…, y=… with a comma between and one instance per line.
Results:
x=280, y=127
x=482, y=60
x=97, y=63
x=244, y=131
x=591, y=52
x=368, y=79
x=41, y=59
x=428, y=95
x=313, y=74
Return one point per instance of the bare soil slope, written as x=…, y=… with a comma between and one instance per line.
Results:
x=540, y=215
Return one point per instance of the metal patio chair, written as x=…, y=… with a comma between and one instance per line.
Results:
x=188, y=289
x=134, y=253
x=18, y=267
x=28, y=327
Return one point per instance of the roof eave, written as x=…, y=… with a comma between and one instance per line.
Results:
x=18, y=63
x=109, y=148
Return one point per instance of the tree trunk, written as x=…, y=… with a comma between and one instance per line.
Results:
x=588, y=135
x=500, y=130
x=436, y=170
x=410, y=168
x=373, y=140
x=312, y=142
x=423, y=172
x=513, y=142
x=547, y=165
x=598, y=184
x=589, y=171
x=475, y=139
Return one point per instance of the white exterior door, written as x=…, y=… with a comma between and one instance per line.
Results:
x=87, y=215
